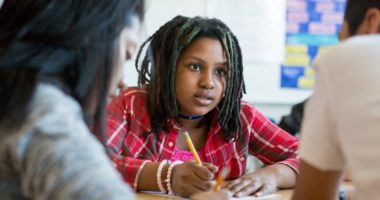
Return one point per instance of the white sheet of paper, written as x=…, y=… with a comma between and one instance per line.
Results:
x=266, y=197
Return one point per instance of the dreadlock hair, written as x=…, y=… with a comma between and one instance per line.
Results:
x=158, y=68
x=356, y=11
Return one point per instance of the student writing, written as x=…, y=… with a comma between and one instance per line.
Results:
x=191, y=78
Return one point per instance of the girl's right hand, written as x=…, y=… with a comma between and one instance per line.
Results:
x=189, y=178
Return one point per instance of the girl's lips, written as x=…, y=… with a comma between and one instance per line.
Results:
x=203, y=100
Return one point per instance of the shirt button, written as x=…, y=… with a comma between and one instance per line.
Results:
x=242, y=159
x=170, y=144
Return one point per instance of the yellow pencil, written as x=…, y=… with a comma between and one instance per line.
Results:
x=222, y=175
x=192, y=148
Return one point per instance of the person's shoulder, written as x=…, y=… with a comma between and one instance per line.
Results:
x=54, y=112
x=357, y=46
x=352, y=50
x=245, y=105
x=247, y=109
x=347, y=56
x=133, y=97
x=361, y=40
x=135, y=93
x=49, y=98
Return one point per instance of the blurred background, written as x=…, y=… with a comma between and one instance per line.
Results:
x=279, y=40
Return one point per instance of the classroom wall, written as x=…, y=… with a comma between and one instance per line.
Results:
x=260, y=28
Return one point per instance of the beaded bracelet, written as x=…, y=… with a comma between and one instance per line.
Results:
x=169, y=176
x=159, y=171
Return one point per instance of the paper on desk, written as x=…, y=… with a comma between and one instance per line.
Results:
x=160, y=194
x=266, y=197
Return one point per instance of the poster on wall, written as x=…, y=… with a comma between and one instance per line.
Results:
x=311, y=27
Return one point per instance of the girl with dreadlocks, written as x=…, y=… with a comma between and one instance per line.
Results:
x=191, y=78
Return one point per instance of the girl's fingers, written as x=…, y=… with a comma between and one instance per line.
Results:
x=249, y=189
x=264, y=190
x=211, y=167
x=187, y=188
x=238, y=187
x=203, y=173
x=230, y=184
x=203, y=185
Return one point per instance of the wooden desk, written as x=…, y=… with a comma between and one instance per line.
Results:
x=285, y=194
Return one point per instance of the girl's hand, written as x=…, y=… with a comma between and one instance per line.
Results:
x=258, y=183
x=189, y=178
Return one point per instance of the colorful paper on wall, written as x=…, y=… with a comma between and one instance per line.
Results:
x=312, y=26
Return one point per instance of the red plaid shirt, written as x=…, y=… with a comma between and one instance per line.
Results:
x=131, y=148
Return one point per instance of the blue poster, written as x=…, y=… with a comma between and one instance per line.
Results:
x=312, y=26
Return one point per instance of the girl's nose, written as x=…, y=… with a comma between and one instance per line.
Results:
x=207, y=80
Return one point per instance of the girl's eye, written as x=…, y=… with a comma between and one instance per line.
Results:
x=195, y=67
x=221, y=72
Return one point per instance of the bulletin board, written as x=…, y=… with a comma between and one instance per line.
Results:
x=267, y=35
x=312, y=27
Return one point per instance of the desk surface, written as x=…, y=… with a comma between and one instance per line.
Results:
x=285, y=195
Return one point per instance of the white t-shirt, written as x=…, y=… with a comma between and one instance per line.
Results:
x=341, y=125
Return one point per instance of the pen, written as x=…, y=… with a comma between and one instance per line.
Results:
x=222, y=175
x=192, y=148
